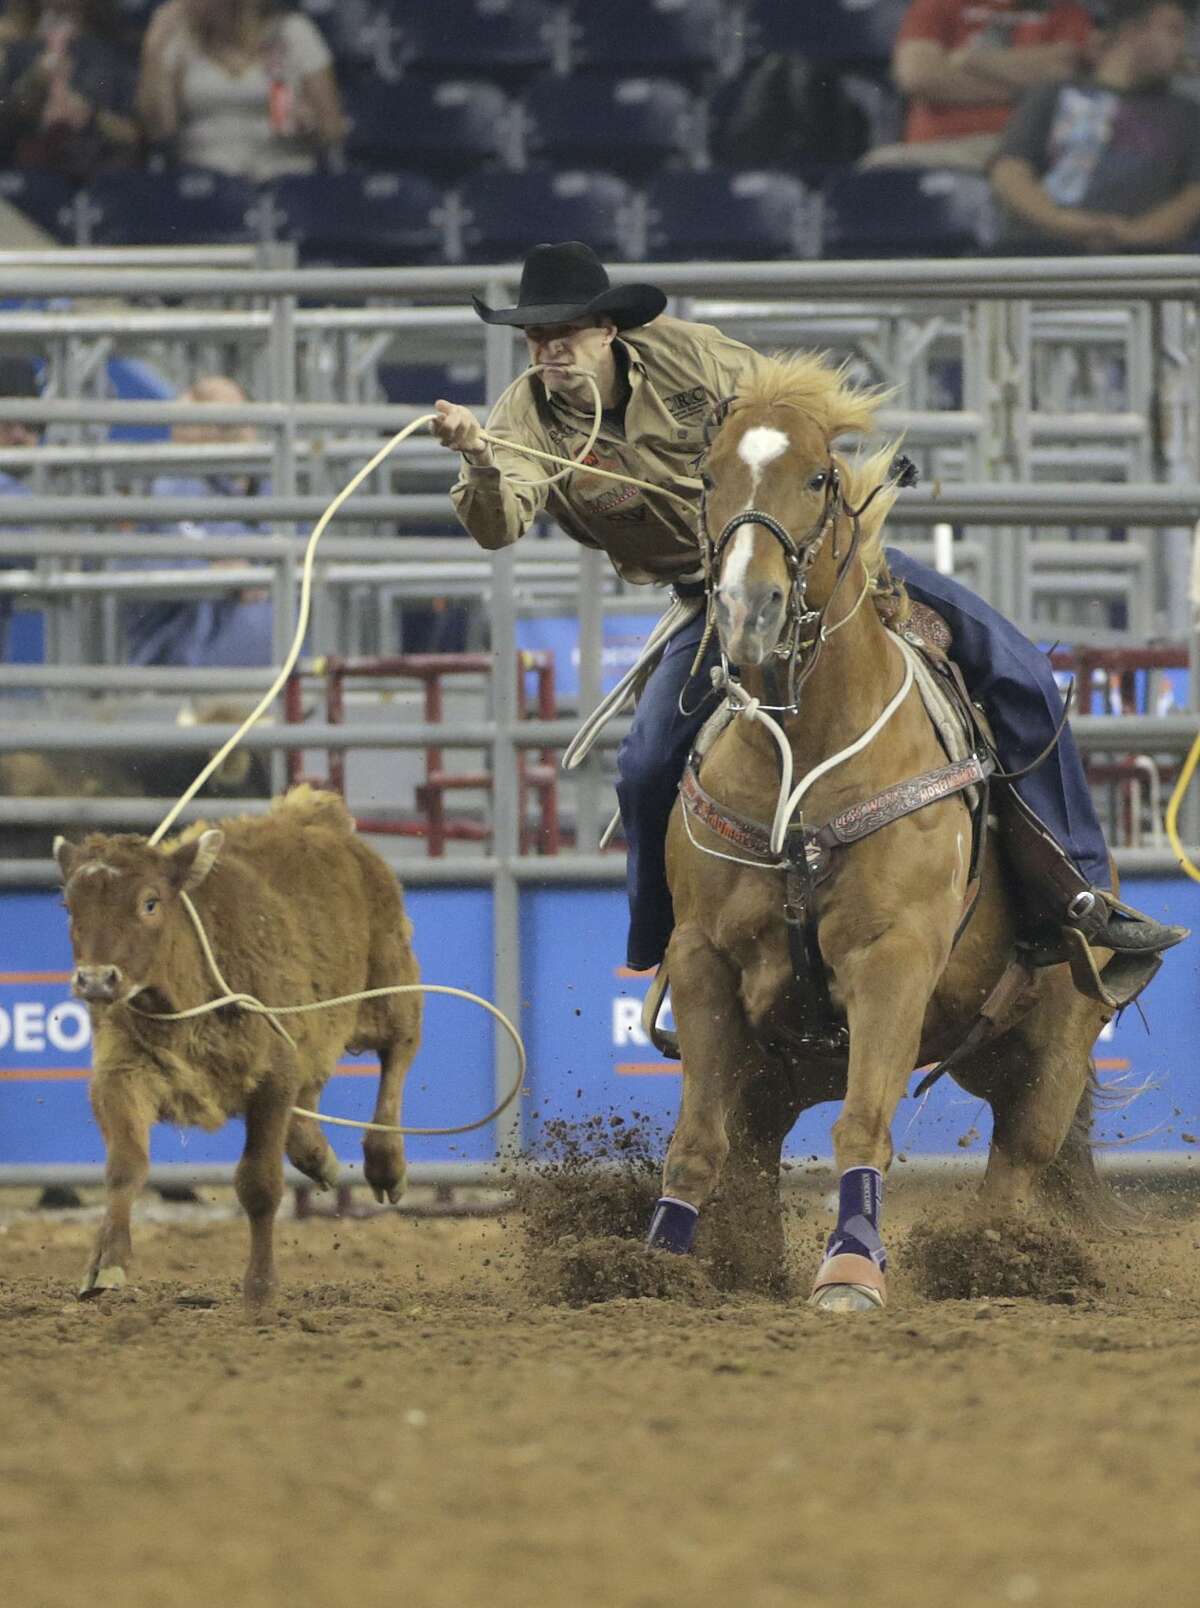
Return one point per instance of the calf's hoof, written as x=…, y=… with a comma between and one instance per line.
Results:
x=384, y=1170
x=259, y=1298
x=100, y=1279
x=846, y=1298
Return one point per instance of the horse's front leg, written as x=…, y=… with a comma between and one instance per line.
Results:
x=719, y=1056
x=885, y=987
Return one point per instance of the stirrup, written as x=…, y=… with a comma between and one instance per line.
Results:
x=663, y=1040
x=1120, y=981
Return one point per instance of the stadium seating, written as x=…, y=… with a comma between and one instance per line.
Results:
x=134, y=15
x=897, y=212
x=442, y=129
x=183, y=206
x=730, y=213
x=857, y=31
x=384, y=219
x=505, y=40
x=503, y=213
x=629, y=125
x=44, y=198
x=686, y=39
x=364, y=35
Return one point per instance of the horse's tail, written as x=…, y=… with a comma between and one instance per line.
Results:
x=1071, y=1184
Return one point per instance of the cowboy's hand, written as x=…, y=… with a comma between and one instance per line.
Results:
x=457, y=427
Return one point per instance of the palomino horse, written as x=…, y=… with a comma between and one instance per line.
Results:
x=796, y=565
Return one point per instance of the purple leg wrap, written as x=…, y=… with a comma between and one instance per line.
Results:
x=860, y=1204
x=673, y=1226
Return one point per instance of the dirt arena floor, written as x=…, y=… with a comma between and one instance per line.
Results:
x=419, y=1428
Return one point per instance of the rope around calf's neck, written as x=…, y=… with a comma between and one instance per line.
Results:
x=249, y=1003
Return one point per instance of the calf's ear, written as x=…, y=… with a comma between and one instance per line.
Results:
x=192, y=861
x=67, y=856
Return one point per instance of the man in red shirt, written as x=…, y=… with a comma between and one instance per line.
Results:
x=965, y=63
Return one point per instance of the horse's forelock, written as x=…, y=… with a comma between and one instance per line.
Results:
x=812, y=386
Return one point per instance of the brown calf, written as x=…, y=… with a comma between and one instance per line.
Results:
x=296, y=909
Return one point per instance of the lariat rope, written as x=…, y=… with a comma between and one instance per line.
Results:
x=1187, y=864
x=310, y=553
x=272, y=1012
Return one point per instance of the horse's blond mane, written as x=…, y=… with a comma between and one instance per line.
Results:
x=811, y=385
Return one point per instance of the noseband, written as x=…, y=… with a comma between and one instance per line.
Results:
x=797, y=647
x=804, y=631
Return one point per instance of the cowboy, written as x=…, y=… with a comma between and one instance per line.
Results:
x=659, y=379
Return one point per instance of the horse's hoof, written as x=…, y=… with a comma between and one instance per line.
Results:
x=846, y=1298
x=104, y=1278
x=331, y=1171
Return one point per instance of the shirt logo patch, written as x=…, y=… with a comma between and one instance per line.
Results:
x=687, y=404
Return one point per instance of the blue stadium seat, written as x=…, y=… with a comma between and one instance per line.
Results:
x=183, y=206
x=505, y=40
x=443, y=128
x=730, y=213
x=687, y=39
x=858, y=31
x=630, y=125
x=381, y=219
x=362, y=34
x=505, y=213
x=134, y=15
x=906, y=212
x=44, y=198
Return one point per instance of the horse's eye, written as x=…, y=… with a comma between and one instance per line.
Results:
x=706, y=481
x=816, y=482
x=149, y=904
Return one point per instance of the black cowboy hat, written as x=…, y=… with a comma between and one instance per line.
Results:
x=562, y=283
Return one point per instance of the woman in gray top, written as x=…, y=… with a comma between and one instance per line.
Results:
x=239, y=86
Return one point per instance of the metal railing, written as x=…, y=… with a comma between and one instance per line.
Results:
x=996, y=438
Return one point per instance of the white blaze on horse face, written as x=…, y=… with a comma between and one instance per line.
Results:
x=757, y=448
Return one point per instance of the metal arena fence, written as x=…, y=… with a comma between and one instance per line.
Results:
x=1054, y=406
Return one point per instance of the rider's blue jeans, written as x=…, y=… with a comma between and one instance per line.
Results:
x=1003, y=671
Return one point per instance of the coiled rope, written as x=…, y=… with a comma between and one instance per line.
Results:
x=1172, y=817
x=272, y=1012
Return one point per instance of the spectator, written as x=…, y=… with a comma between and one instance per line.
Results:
x=19, y=21
x=229, y=632
x=18, y=378
x=66, y=92
x=240, y=86
x=1111, y=162
x=964, y=64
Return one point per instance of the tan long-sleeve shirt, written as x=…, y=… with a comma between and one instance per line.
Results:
x=677, y=373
